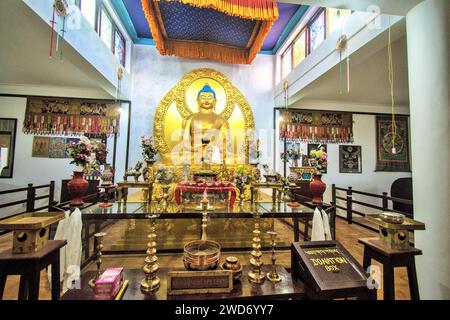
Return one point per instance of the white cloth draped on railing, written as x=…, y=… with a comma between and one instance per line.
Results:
x=70, y=255
x=320, y=226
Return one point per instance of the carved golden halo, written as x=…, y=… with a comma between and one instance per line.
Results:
x=194, y=75
x=177, y=93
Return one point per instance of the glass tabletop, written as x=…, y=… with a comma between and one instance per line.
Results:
x=282, y=207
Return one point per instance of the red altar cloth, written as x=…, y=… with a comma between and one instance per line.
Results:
x=210, y=187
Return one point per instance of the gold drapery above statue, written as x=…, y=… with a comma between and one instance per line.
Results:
x=263, y=12
x=203, y=100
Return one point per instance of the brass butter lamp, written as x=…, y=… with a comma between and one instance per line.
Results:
x=99, y=247
x=151, y=281
x=255, y=275
x=273, y=275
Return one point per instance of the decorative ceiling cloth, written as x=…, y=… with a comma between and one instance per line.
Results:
x=223, y=30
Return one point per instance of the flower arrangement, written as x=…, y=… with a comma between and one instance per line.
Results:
x=82, y=154
x=149, y=150
x=293, y=154
x=101, y=152
x=87, y=156
x=242, y=177
x=319, y=159
x=164, y=175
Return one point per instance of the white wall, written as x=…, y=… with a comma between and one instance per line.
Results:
x=26, y=168
x=428, y=28
x=38, y=171
x=361, y=28
x=84, y=39
x=154, y=75
x=369, y=180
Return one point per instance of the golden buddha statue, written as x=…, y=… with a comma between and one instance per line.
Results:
x=205, y=133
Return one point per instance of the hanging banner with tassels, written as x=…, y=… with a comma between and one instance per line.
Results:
x=317, y=126
x=70, y=117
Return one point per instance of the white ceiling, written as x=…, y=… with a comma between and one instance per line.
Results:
x=368, y=75
x=24, y=54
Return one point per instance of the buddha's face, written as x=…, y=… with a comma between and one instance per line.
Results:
x=206, y=100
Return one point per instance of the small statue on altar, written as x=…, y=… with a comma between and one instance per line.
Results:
x=186, y=171
x=256, y=175
x=136, y=172
x=224, y=172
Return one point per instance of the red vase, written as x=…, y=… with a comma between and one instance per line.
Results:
x=317, y=188
x=77, y=187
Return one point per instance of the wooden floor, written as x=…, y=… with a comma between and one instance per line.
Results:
x=347, y=234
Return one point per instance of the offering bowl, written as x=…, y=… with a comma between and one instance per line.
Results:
x=201, y=255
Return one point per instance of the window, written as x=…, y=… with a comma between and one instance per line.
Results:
x=317, y=31
x=100, y=19
x=324, y=23
x=299, y=49
x=106, y=29
x=119, y=47
x=286, y=63
x=336, y=19
x=89, y=10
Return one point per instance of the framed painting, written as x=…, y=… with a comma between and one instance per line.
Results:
x=8, y=129
x=40, y=147
x=392, y=145
x=57, y=148
x=350, y=159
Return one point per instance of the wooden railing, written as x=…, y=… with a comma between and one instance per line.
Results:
x=349, y=200
x=31, y=198
x=30, y=201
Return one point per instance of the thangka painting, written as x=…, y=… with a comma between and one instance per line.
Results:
x=350, y=160
x=70, y=117
x=40, y=147
x=392, y=149
x=57, y=148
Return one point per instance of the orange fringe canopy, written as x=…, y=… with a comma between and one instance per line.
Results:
x=265, y=12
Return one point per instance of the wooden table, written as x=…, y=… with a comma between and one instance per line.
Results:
x=29, y=266
x=286, y=289
x=391, y=258
x=122, y=189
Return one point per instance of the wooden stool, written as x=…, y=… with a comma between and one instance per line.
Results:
x=390, y=259
x=29, y=266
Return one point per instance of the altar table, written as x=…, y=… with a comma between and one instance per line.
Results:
x=286, y=289
x=122, y=190
x=210, y=187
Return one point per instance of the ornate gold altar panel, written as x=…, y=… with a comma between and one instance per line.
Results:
x=180, y=106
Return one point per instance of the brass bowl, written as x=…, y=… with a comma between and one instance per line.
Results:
x=201, y=255
x=392, y=217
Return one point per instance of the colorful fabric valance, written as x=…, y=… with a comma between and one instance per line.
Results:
x=316, y=126
x=70, y=117
x=230, y=31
